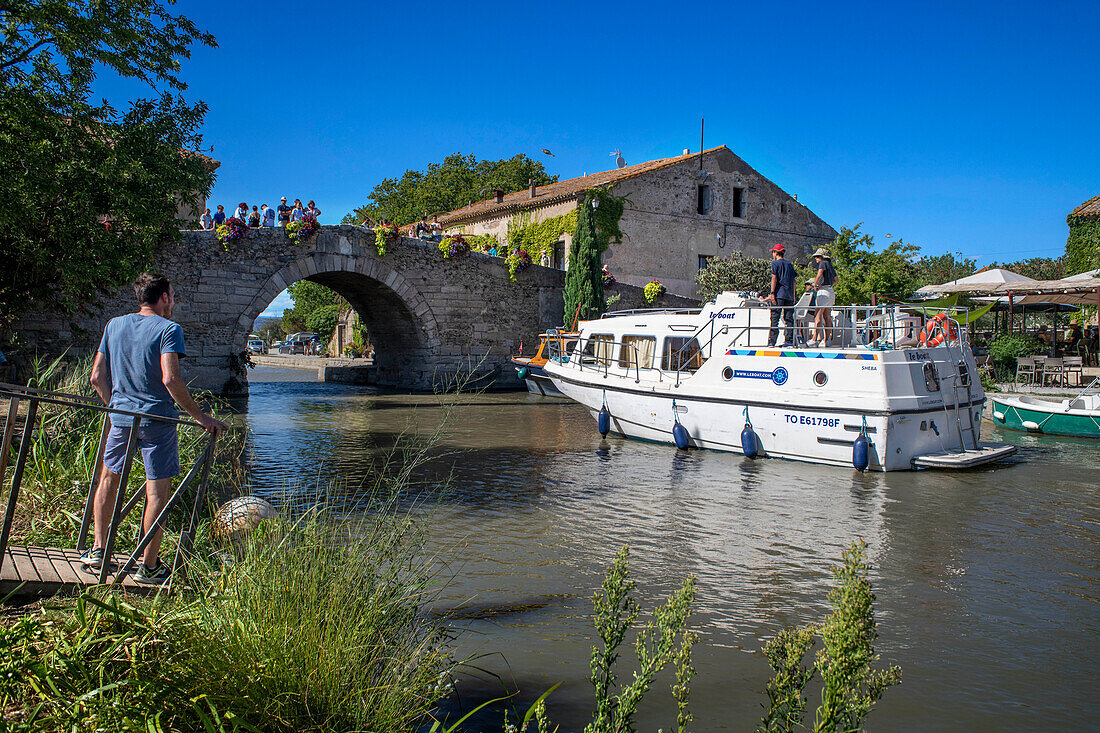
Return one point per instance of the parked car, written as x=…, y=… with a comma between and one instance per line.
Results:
x=257, y=346
x=303, y=342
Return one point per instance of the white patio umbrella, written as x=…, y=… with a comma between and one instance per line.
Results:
x=980, y=282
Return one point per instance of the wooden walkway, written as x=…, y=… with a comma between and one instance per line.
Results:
x=42, y=572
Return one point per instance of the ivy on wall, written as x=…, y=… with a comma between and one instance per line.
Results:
x=1083, y=244
x=537, y=237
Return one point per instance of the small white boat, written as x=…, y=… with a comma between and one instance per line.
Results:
x=873, y=396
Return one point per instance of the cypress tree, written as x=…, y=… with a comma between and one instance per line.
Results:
x=583, y=280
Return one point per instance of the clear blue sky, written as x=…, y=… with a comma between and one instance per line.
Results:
x=967, y=127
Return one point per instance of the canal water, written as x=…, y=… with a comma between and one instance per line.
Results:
x=987, y=581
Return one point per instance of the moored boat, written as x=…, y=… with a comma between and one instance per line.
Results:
x=531, y=369
x=874, y=396
x=1078, y=416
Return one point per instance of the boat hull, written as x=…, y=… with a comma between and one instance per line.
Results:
x=800, y=432
x=1050, y=418
x=537, y=380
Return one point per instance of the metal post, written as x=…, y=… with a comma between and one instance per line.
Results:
x=120, y=493
x=97, y=472
x=187, y=535
x=9, y=428
x=17, y=477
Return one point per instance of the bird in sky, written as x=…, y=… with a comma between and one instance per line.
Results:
x=549, y=153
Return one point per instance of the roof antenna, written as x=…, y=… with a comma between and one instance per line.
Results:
x=702, y=173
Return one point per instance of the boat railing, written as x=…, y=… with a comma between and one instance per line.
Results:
x=872, y=327
x=640, y=311
x=196, y=477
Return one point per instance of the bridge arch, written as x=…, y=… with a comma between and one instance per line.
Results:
x=401, y=322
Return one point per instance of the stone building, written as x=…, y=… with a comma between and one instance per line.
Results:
x=680, y=212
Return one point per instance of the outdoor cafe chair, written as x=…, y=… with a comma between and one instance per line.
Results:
x=1053, y=370
x=1028, y=369
x=1074, y=365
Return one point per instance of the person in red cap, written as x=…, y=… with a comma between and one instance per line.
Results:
x=782, y=296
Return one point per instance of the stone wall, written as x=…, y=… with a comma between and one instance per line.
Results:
x=428, y=318
x=665, y=234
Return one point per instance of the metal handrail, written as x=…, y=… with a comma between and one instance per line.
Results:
x=199, y=473
x=867, y=327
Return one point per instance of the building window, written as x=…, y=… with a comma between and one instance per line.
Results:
x=738, y=201
x=703, y=260
x=783, y=208
x=704, y=199
x=559, y=255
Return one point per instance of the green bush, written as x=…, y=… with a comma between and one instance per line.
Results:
x=1004, y=350
x=734, y=273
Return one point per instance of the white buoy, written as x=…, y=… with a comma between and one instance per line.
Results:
x=1030, y=425
x=236, y=518
x=999, y=415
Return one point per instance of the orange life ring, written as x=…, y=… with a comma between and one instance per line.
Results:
x=937, y=329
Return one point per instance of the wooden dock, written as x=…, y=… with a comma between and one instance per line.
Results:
x=42, y=572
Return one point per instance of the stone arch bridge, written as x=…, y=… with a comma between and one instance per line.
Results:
x=429, y=318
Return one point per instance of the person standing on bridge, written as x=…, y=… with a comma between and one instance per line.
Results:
x=137, y=369
x=284, y=213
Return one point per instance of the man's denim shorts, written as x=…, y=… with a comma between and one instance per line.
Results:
x=159, y=445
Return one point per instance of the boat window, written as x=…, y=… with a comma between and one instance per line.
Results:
x=638, y=349
x=682, y=353
x=599, y=349
x=931, y=377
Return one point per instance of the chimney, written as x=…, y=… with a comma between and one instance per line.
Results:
x=686, y=151
x=794, y=196
x=499, y=193
x=531, y=182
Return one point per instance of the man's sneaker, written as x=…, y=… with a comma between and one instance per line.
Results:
x=93, y=558
x=155, y=576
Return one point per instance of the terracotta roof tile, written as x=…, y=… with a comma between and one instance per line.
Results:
x=1090, y=208
x=560, y=191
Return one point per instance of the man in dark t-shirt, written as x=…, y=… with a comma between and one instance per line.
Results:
x=782, y=296
x=284, y=212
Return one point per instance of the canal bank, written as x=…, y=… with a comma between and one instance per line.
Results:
x=327, y=369
x=982, y=577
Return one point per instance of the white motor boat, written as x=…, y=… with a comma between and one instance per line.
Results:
x=877, y=395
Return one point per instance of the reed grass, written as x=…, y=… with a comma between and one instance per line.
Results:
x=320, y=625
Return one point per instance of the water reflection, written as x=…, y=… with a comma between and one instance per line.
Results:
x=982, y=577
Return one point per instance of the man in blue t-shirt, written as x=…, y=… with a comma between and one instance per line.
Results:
x=137, y=370
x=782, y=296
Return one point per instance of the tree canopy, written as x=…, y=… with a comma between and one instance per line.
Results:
x=734, y=273
x=89, y=190
x=456, y=182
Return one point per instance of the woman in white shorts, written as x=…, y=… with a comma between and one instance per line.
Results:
x=824, y=296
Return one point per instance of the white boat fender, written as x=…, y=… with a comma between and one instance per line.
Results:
x=861, y=449
x=999, y=415
x=603, y=420
x=679, y=432
x=1030, y=425
x=749, y=443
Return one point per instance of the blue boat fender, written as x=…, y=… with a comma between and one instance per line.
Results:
x=680, y=435
x=861, y=449
x=750, y=445
x=523, y=372
x=603, y=421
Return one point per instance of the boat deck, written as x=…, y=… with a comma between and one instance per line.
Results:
x=986, y=453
